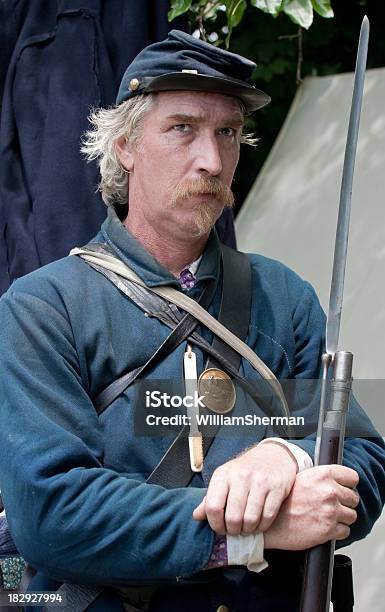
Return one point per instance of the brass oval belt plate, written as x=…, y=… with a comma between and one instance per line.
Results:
x=217, y=389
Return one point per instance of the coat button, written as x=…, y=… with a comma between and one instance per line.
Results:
x=223, y=608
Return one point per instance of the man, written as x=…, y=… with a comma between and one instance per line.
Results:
x=73, y=483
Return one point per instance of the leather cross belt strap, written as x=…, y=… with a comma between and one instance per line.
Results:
x=101, y=257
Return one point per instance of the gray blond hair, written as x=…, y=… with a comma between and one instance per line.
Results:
x=107, y=126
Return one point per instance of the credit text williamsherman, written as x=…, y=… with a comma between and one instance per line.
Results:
x=223, y=420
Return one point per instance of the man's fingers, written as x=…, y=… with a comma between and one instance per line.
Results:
x=344, y=475
x=235, y=508
x=199, y=513
x=342, y=532
x=215, y=504
x=347, y=516
x=253, y=512
x=270, y=510
x=348, y=497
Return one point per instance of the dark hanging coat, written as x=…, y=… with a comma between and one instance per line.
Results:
x=68, y=56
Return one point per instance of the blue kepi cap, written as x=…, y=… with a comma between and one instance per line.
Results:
x=182, y=61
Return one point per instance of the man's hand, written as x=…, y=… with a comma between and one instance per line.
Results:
x=246, y=493
x=319, y=508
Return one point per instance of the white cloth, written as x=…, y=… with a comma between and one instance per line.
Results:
x=246, y=550
x=303, y=459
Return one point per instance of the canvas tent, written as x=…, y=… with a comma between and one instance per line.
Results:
x=290, y=214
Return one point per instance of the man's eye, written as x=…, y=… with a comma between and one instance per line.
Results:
x=227, y=131
x=183, y=128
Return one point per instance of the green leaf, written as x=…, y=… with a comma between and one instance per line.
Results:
x=299, y=11
x=178, y=7
x=268, y=6
x=323, y=8
x=234, y=13
x=235, y=10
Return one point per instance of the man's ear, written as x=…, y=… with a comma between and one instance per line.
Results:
x=124, y=153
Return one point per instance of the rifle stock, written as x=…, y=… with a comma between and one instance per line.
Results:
x=318, y=573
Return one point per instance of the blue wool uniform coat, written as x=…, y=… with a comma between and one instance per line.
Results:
x=74, y=484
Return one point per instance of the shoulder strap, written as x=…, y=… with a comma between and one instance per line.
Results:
x=235, y=281
x=174, y=470
x=235, y=306
x=182, y=330
x=170, y=315
x=184, y=302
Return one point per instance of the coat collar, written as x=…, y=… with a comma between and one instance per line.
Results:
x=129, y=249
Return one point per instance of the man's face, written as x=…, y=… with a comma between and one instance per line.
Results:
x=182, y=168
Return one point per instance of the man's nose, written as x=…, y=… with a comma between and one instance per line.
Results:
x=209, y=157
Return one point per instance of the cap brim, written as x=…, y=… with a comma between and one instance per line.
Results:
x=252, y=97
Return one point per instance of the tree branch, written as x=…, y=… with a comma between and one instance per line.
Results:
x=300, y=57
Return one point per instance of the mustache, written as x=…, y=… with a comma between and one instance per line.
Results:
x=202, y=186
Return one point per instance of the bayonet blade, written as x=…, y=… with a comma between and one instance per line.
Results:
x=342, y=233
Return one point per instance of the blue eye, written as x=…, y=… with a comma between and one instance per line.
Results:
x=183, y=128
x=227, y=131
